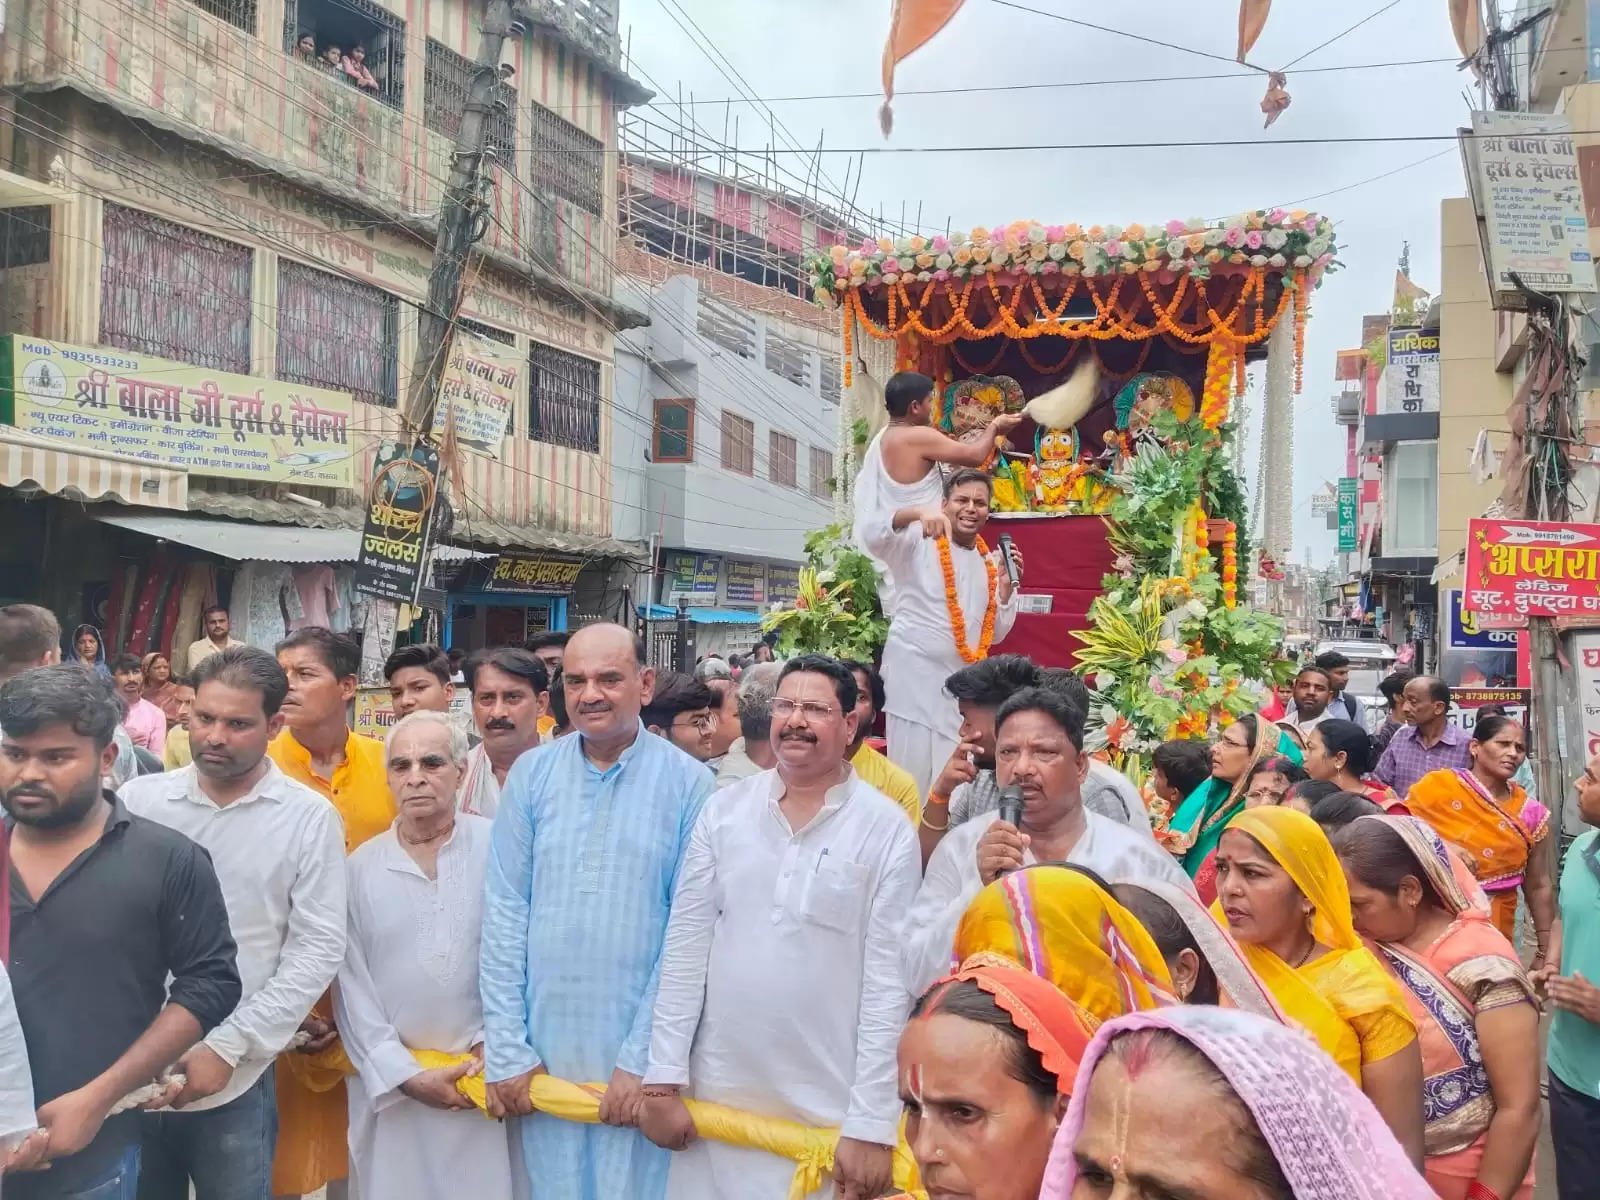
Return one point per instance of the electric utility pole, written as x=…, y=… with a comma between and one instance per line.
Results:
x=462, y=218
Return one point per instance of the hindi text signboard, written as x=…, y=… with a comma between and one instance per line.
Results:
x=747, y=582
x=1532, y=568
x=1411, y=377
x=783, y=584
x=546, y=574
x=1347, y=515
x=1522, y=169
x=203, y=421
x=481, y=382
x=1466, y=701
x=394, y=543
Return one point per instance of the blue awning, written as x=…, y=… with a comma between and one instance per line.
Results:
x=700, y=616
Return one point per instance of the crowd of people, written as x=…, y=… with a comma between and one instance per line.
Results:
x=697, y=935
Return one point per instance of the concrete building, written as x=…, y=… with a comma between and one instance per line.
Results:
x=231, y=204
x=727, y=401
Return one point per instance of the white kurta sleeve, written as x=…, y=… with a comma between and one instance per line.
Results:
x=313, y=949
x=685, y=957
x=874, y=1111
x=375, y=1049
x=948, y=887
x=1005, y=615
x=896, y=547
x=16, y=1081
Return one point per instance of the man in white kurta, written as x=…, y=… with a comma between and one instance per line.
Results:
x=410, y=982
x=780, y=986
x=1039, y=747
x=924, y=724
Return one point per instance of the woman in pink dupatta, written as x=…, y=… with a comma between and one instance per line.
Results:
x=1221, y=1105
x=1477, y=1019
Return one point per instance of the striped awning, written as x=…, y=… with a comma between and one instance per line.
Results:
x=32, y=464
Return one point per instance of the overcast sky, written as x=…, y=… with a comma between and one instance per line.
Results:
x=834, y=46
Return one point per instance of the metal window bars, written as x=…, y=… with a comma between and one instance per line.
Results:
x=347, y=23
x=174, y=292
x=567, y=161
x=338, y=333
x=238, y=13
x=781, y=452
x=446, y=86
x=564, y=398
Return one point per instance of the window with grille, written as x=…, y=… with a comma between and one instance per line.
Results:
x=174, y=292
x=348, y=24
x=24, y=236
x=567, y=161
x=672, y=437
x=338, y=333
x=241, y=13
x=446, y=84
x=831, y=390
x=821, y=480
x=487, y=331
x=780, y=458
x=738, y=443
x=563, y=398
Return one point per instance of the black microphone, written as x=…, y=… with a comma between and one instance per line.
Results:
x=1011, y=564
x=1011, y=805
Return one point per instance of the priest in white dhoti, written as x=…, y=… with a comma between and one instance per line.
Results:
x=780, y=978
x=410, y=982
x=902, y=464
x=1039, y=748
x=953, y=600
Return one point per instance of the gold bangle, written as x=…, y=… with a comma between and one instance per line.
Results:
x=934, y=828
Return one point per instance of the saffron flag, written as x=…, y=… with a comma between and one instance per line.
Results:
x=913, y=26
x=1252, y=20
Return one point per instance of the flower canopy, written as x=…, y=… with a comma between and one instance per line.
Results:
x=1273, y=239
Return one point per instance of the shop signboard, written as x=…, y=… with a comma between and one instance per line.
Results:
x=1532, y=568
x=481, y=382
x=1411, y=378
x=1586, y=662
x=543, y=573
x=1347, y=515
x=747, y=582
x=1466, y=701
x=207, y=422
x=1472, y=631
x=399, y=525
x=1523, y=171
x=783, y=584
x=692, y=579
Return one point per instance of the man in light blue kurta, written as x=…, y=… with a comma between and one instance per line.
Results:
x=587, y=842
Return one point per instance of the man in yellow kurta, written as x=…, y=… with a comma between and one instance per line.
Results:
x=318, y=748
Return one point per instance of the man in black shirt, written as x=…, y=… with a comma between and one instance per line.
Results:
x=104, y=907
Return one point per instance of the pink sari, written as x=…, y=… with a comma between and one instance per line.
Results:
x=1328, y=1140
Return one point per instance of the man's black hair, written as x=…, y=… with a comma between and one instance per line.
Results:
x=249, y=670
x=990, y=681
x=966, y=475
x=123, y=664
x=221, y=608
x=520, y=663
x=66, y=694
x=903, y=390
x=340, y=654
x=874, y=681
x=1393, y=684
x=1331, y=660
x=425, y=655
x=1314, y=669
x=676, y=693
x=1052, y=704
x=1185, y=762
x=544, y=641
x=844, y=683
x=1438, y=689
x=1068, y=683
x=558, y=704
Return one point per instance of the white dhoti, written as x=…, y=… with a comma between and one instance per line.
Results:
x=877, y=497
x=920, y=749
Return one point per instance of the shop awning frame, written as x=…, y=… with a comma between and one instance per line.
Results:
x=30, y=463
x=701, y=616
x=246, y=541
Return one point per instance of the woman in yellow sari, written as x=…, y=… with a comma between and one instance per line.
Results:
x=1283, y=894
x=1500, y=831
x=1063, y=926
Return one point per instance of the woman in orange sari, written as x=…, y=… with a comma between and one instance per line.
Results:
x=1477, y=1020
x=1498, y=829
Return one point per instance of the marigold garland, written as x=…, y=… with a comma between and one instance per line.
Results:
x=849, y=347
x=1230, y=566
x=952, y=603
x=1214, y=394
x=1302, y=310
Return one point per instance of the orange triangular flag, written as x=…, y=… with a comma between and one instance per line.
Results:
x=912, y=26
x=1252, y=20
x=1466, y=22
